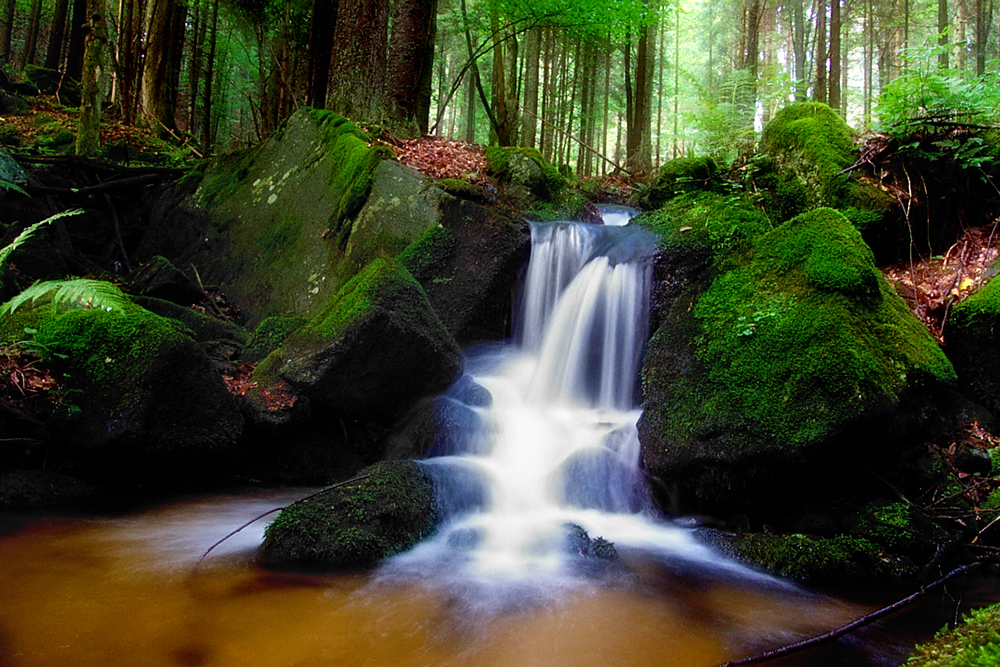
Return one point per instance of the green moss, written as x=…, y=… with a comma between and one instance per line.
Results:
x=428, y=253
x=269, y=335
x=897, y=528
x=279, y=239
x=202, y=327
x=681, y=175
x=974, y=643
x=705, y=221
x=811, y=559
x=386, y=509
x=225, y=174
x=800, y=337
x=460, y=188
x=548, y=187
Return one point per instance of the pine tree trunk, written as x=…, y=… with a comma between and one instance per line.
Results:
x=821, y=93
x=53, y=55
x=207, y=134
x=74, y=56
x=31, y=36
x=157, y=109
x=410, y=64
x=359, y=60
x=942, y=25
x=637, y=143
x=835, y=68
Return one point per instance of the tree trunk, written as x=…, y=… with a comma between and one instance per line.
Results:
x=359, y=60
x=637, y=143
x=504, y=83
x=127, y=74
x=74, y=56
x=532, y=59
x=196, y=64
x=470, y=108
x=821, y=92
x=53, y=55
x=799, y=48
x=207, y=135
x=324, y=22
x=834, y=97
x=942, y=26
x=157, y=107
x=88, y=133
x=6, y=29
x=31, y=36
x=410, y=64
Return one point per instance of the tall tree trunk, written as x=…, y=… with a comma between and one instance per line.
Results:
x=942, y=26
x=504, y=83
x=470, y=107
x=207, y=135
x=6, y=29
x=274, y=105
x=31, y=36
x=834, y=98
x=750, y=62
x=799, y=48
x=410, y=64
x=637, y=143
x=532, y=58
x=53, y=55
x=359, y=60
x=157, y=107
x=74, y=56
x=822, y=91
x=324, y=22
x=128, y=72
x=196, y=63
x=88, y=133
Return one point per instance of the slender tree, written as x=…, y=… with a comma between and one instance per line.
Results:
x=57, y=37
x=88, y=134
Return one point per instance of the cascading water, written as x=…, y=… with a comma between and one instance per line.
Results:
x=543, y=439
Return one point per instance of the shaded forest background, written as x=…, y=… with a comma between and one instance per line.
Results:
x=601, y=86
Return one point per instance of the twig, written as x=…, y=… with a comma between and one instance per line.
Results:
x=853, y=625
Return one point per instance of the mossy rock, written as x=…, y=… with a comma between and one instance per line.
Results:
x=468, y=267
x=384, y=510
x=269, y=335
x=160, y=279
x=975, y=642
x=804, y=152
x=144, y=388
x=682, y=175
x=973, y=337
x=783, y=353
x=376, y=347
x=525, y=175
x=204, y=328
x=810, y=559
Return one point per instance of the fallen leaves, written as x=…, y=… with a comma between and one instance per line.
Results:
x=440, y=158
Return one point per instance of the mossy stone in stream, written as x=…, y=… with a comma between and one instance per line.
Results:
x=384, y=510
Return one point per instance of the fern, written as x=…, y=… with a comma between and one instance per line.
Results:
x=77, y=293
x=9, y=185
x=30, y=231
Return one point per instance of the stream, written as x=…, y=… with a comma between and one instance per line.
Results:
x=546, y=461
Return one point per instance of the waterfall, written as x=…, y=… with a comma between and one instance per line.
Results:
x=543, y=436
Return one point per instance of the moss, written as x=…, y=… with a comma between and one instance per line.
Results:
x=385, y=509
x=799, y=337
x=269, y=335
x=974, y=643
x=548, y=186
x=105, y=353
x=897, y=528
x=428, y=253
x=705, y=221
x=973, y=333
x=681, y=175
x=277, y=240
x=225, y=174
x=464, y=189
x=202, y=327
x=810, y=559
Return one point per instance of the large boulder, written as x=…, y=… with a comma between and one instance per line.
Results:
x=806, y=151
x=383, y=510
x=973, y=338
x=282, y=228
x=783, y=362
x=373, y=350
x=468, y=266
x=142, y=388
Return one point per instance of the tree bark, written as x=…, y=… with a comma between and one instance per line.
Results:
x=942, y=25
x=835, y=69
x=799, y=48
x=359, y=60
x=504, y=81
x=6, y=29
x=324, y=22
x=74, y=56
x=532, y=61
x=207, y=133
x=637, y=143
x=821, y=91
x=157, y=107
x=31, y=36
x=88, y=133
x=53, y=55
x=410, y=64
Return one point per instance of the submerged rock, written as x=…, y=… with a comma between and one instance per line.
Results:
x=384, y=510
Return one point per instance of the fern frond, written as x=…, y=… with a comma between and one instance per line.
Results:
x=30, y=231
x=77, y=293
x=8, y=185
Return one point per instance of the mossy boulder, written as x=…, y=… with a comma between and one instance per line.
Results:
x=973, y=338
x=681, y=175
x=269, y=335
x=373, y=350
x=144, y=389
x=776, y=359
x=525, y=176
x=804, y=153
x=468, y=266
x=383, y=510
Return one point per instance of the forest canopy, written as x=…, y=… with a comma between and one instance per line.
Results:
x=600, y=86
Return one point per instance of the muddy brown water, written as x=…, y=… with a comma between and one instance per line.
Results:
x=128, y=590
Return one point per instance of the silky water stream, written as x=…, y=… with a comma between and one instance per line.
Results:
x=545, y=463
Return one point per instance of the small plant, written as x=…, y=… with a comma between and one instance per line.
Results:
x=78, y=293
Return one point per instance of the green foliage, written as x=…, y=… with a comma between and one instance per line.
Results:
x=974, y=643
x=811, y=559
x=82, y=293
x=422, y=257
x=269, y=335
x=29, y=231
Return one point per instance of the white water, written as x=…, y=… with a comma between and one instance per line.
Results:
x=546, y=429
